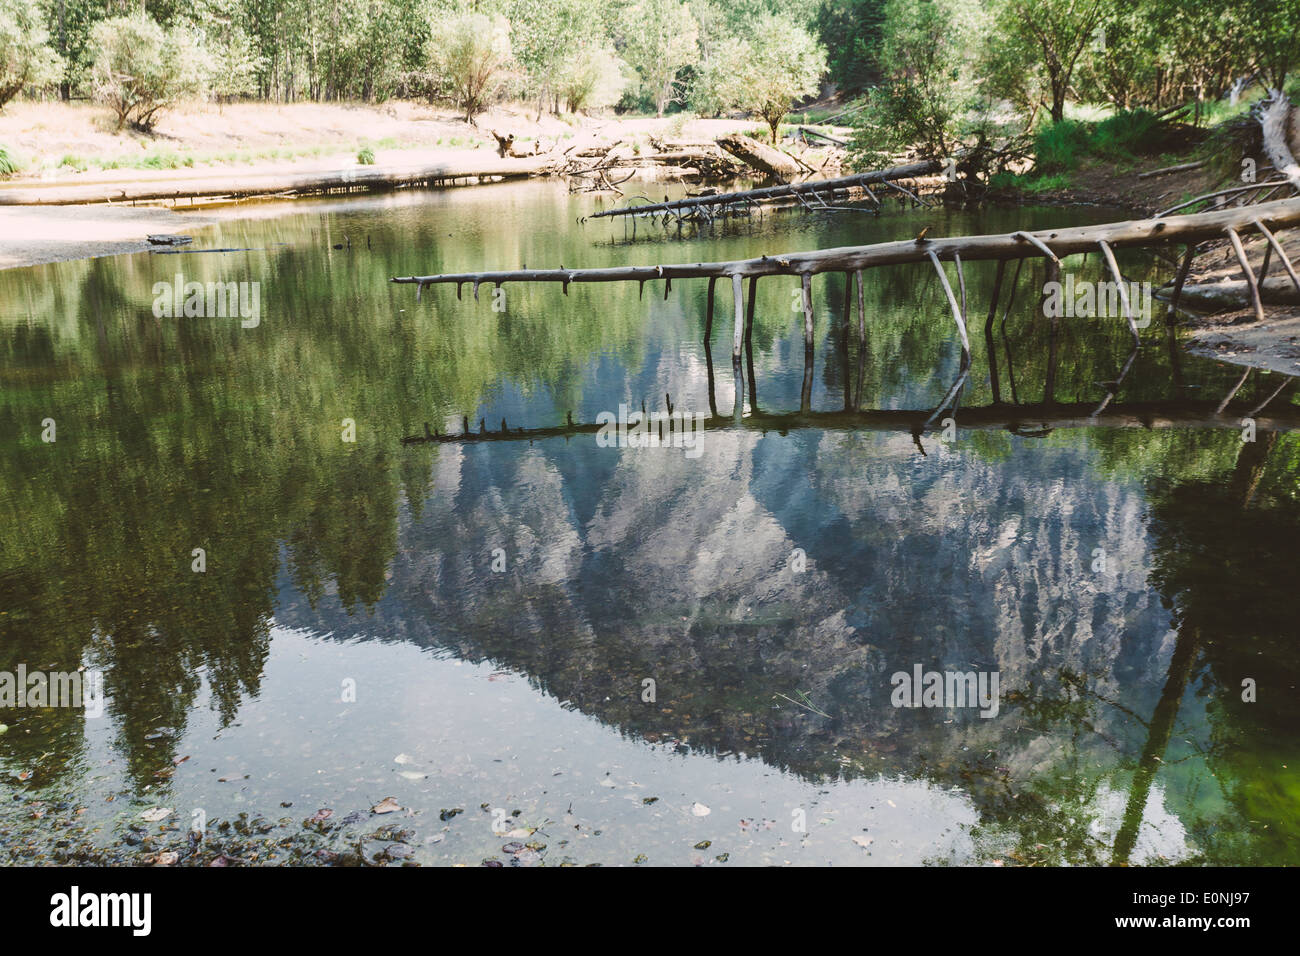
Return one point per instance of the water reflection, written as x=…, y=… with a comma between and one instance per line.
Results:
x=769, y=588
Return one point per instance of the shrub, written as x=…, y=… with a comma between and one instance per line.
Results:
x=8, y=164
x=141, y=69
x=366, y=156
x=1057, y=148
x=1128, y=134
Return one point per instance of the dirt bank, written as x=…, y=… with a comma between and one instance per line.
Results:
x=73, y=153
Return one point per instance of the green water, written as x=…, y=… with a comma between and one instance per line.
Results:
x=470, y=626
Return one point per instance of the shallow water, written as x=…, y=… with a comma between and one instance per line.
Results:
x=470, y=626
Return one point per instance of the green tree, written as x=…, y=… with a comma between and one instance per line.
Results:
x=26, y=59
x=660, y=38
x=1274, y=35
x=786, y=64
x=141, y=69
x=1053, y=35
x=470, y=55
x=232, y=57
x=778, y=63
x=853, y=31
x=592, y=77
x=929, y=54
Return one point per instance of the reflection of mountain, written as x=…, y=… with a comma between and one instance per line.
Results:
x=634, y=564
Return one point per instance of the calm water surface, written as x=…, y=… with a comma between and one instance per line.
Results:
x=350, y=640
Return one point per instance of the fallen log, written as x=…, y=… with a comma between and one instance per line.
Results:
x=1232, y=294
x=1064, y=242
x=766, y=193
x=354, y=179
x=806, y=131
x=1188, y=229
x=765, y=159
x=1180, y=168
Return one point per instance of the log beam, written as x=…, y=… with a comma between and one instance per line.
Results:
x=1237, y=247
x=1064, y=242
x=860, y=180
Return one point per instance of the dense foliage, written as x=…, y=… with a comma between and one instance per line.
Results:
x=934, y=72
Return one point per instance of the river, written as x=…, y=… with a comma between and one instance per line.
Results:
x=551, y=651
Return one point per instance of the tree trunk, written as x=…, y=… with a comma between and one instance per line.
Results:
x=764, y=158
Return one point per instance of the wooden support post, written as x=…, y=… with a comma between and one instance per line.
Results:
x=805, y=393
x=848, y=299
x=988, y=332
x=997, y=296
x=805, y=396
x=749, y=344
x=1281, y=253
x=738, y=390
x=1011, y=301
x=961, y=282
x=845, y=324
x=1123, y=289
x=1248, y=271
x=1233, y=394
x=862, y=338
x=956, y=310
x=738, y=294
x=862, y=306
x=807, y=311
x=708, y=309
x=1037, y=244
x=749, y=310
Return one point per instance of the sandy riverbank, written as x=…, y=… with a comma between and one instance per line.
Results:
x=63, y=145
x=31, y=235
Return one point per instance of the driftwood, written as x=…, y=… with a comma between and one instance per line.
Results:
x=505, y=143
x=1274, y=120
x=477, y=167
x=768, y=193
x=765, y=159
x=703, y=159
x=1232, y=294
x=1273, y=115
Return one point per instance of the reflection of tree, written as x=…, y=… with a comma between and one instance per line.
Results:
x=1224, y=565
